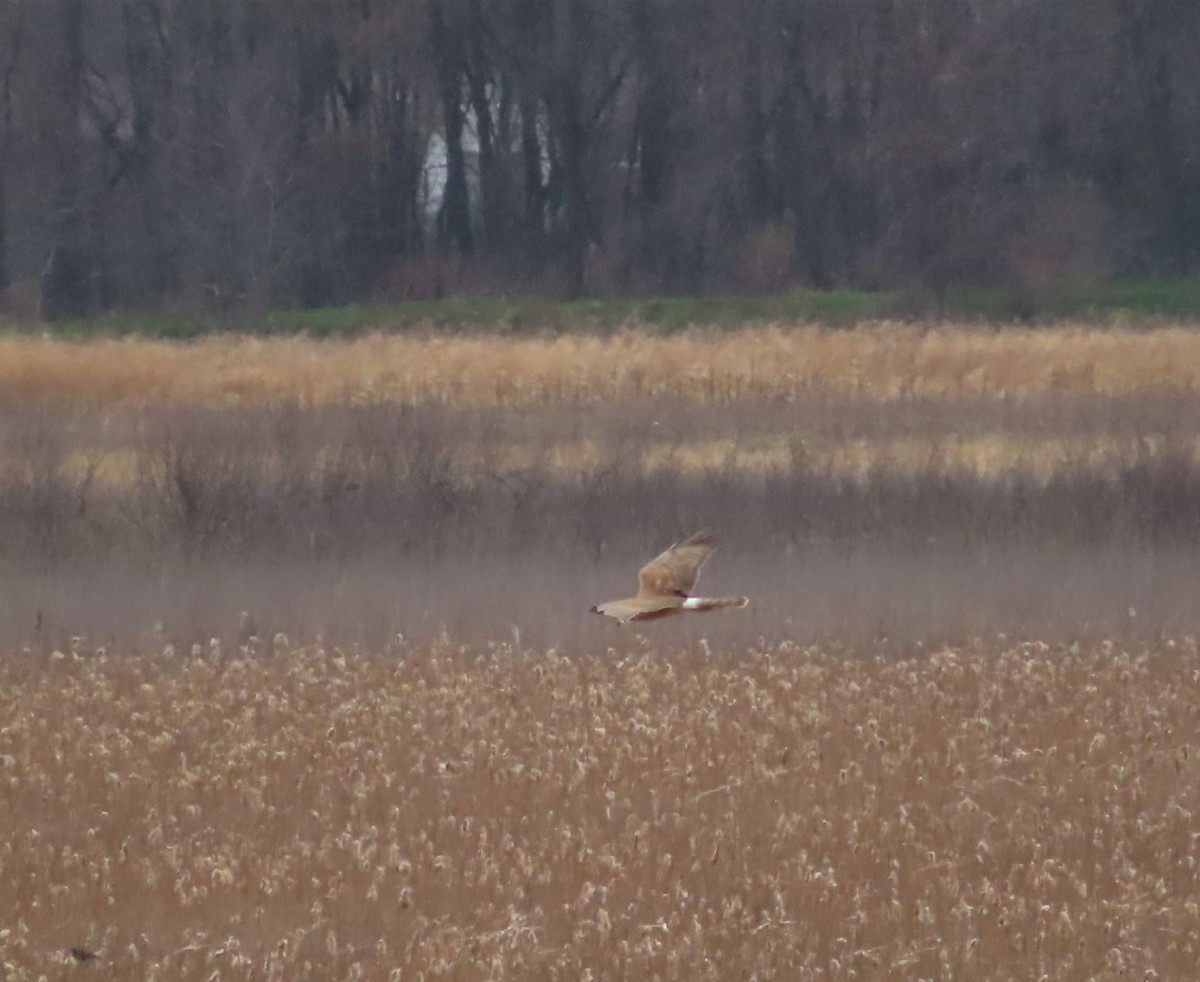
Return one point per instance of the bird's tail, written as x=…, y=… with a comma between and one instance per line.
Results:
x=713, y=603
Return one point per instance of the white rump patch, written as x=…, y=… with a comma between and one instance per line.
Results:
x=693, y=603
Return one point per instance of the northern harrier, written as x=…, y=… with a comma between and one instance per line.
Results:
x=665, y=584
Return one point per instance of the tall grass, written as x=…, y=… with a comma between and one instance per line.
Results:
x=418, y=753
x=365, y=520
x=416, y=457
x=389, y=481
x=886, y=362
x=788, y=813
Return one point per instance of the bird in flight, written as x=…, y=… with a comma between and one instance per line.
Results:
x=665, y=585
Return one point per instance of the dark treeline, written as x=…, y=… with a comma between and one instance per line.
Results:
x=216, y=154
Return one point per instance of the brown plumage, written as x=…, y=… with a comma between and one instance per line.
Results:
x=665, y=585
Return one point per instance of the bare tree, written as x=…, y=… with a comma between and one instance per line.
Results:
x=233, y=153
x=1161, y=37
x=151, y=84
x=69, y=278
x=12, y=28
x=447, y=41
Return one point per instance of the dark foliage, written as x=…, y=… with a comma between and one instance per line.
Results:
x=235, y=156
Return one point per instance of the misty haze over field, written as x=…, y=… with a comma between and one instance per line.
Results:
x=886, y=484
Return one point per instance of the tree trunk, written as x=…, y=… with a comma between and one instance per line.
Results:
x=454, y=217
x=15, y=31
x=565, y=99
x=755, y=171
x=796, y=125
x=68, y=281
x=491, y=178
x=5, y=140
x=150, y=88
x=4, y=274
x=527, y=28
x=1150, y=30
x=656, y=142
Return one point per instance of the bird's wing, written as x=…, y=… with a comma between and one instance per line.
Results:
x=631, y=609
x=674, y=573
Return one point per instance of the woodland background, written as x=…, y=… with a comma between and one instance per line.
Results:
x=254, y=154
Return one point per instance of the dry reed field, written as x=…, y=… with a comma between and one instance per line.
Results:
x=473, y=443
x=868, y=773
x=883, y=362
x=905, y=458
x=994, y=811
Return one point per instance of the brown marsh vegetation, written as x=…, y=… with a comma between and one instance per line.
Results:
x=431, y=759
x=883, y=362
x=882, y=480
x=993, y=811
